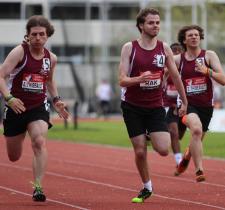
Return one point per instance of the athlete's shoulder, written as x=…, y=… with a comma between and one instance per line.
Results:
x=53, y=56
x=167, y=49
x=127, y=48
x=17, y=53
x=128, y=45
x=210, y=52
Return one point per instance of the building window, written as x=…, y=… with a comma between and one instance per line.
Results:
x=123, y=12
x=33, y=9
x=95, y=13
x=68, y=51
x=9, y=10
x=68, y=11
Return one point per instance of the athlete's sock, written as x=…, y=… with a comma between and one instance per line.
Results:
x=178, y=157
x=148, y=185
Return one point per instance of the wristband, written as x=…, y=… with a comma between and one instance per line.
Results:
x=9, y=102
x=56, y=99
x=210, y=72
x=207, y=72
x=7, y=98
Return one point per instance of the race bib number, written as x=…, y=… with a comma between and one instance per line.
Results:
x=153, y=83
x=159, y=60
x=196, y=85
x=200, y=60
x=33, y=83
x=46, y=64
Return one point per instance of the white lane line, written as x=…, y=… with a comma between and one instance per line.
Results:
x=51, y=200
x=133, y=172
x=116, y=187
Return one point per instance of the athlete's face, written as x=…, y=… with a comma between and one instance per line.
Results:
x=176, y=50
x=151, y=25
x=192, y=38
x=37, y=36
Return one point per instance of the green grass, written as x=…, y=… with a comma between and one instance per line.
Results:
x=114, y=133
x=98, y=132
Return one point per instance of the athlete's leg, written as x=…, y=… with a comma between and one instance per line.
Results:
x=15, y=146
x=175, y=143
x=173, y=130
x=140, y=149
x=38, y=131
x=161, y=142
x=194, y=124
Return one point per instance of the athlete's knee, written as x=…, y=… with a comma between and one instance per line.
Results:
x=38, y=143
x=197, y=131
x=13, y=157
x=140, y=153
x=163, y=151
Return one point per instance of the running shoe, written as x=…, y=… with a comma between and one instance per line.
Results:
x=38, y=194
x=200, y=176
x=182, y=166
x=143, y=194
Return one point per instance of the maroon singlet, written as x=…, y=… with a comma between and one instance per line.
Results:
x=28, y=80
x=170, y=94
x=198, y=87
x=148, y=94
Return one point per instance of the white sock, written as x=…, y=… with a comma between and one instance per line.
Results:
x=178, y=157
x=148, y=185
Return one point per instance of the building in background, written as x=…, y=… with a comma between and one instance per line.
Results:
x=89, y=35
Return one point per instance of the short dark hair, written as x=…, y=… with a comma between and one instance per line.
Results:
x=183, y=30
x=140, y=19
x=39, y=20
x=176, y=48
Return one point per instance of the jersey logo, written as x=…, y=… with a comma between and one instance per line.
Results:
x=46, y=65
x=159, y=60
x=200, y=60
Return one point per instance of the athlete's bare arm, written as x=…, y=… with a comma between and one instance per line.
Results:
x=217, y=72
x=59, y=105
x=13, y=58
x=174, y=74
x=124, y=66
x=51, y=85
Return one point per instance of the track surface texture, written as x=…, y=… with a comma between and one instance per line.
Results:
x=82, y=176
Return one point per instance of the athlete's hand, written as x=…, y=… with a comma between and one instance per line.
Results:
x=16, y=105
x=60, y=108
x=145, y=76
x=183, y=110
x=201, y=68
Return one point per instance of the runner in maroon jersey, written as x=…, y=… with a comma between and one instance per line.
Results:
x=30, y=67
x=170, y=94
x=141, y=72
x=195, y=66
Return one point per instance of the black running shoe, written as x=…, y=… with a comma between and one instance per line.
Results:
x=143, y=194
x=38, y=195
x=200, y=176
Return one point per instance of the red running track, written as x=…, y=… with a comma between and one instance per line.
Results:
x=81, y=176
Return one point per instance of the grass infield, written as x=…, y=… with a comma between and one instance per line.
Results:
x=114, y=133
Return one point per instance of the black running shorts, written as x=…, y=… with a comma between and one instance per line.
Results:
x=171, y=115
x=204, y=113
x=15, y=124
x=140, y=120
